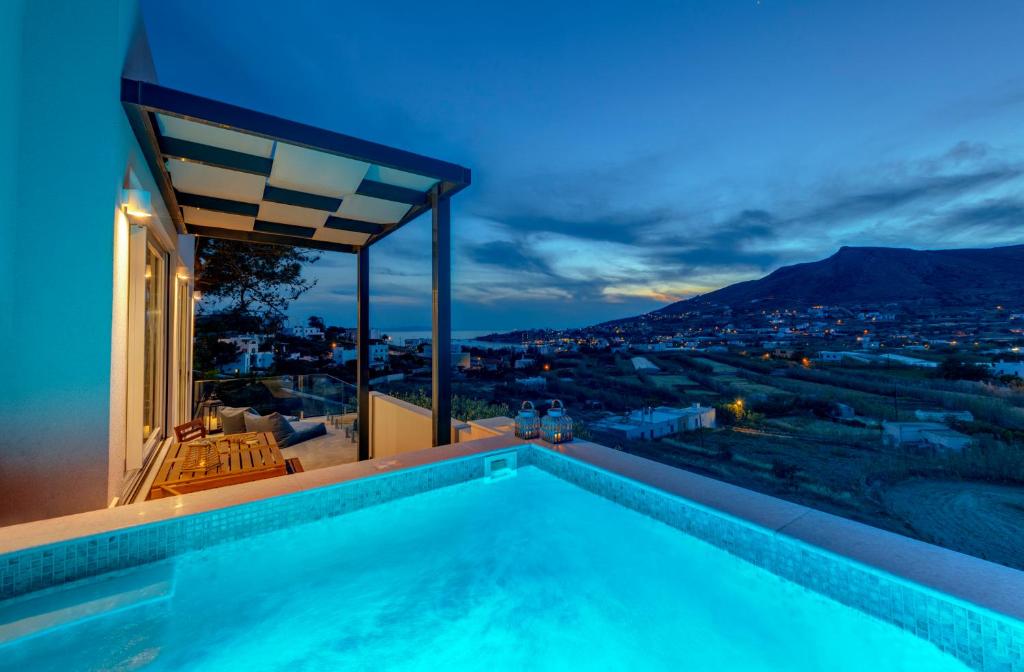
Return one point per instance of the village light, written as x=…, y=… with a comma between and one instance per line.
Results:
x=556, y=426
x=527, y=422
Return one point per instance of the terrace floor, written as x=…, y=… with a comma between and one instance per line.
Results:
x=328, y=450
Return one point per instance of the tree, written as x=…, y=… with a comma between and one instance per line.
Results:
x=317, y=322
x=955, y=367
x=255, y=280
x=211, y=353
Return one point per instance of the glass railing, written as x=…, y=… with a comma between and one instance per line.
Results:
x=312, y=395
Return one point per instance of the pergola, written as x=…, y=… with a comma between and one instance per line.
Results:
x=229, y=172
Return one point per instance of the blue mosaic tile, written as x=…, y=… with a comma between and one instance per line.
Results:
x=983, y=640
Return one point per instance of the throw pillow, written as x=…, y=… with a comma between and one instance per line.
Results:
x=232, y=420
x=274, y=423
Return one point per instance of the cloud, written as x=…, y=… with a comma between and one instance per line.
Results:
x=628, y=228
x=508, y=254
x=992, y=216
x=915, y=190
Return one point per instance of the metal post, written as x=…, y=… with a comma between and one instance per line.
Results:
x=441, y=347
x=363, y=349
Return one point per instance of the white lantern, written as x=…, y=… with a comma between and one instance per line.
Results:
x=556, y=427
x=527, y=422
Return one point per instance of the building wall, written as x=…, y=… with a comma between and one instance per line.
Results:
x=63, y=414
x=11, y=16
x=397, y=427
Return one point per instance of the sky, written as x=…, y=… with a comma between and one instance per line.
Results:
x=627, y=155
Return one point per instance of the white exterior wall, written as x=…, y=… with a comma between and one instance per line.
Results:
x=1009, y=369
x=397, y=427
x=65, y=249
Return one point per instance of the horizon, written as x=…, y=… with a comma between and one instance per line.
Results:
x=767, y=135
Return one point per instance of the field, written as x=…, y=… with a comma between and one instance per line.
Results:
x=791, y=447
x=981, y=519
x=671, y=381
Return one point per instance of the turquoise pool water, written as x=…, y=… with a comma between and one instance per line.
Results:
x=525, y=573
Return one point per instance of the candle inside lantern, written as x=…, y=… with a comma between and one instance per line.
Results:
x=556, y=427
x=527, y=423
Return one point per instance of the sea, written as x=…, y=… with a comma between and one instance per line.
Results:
x=464, y=337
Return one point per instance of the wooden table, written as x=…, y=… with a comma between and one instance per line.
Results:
x=240, y=462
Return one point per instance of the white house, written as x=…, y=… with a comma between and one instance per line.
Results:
x=946, y=440
x=249, y=362
x=934, y=435
x=655, y=423
x=900, y=433
x=943, y=416
x=344, y=353
x=1002, y=368
x=303, y=331
x=249, y=343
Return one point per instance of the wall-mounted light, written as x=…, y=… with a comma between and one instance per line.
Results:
x=136, y=203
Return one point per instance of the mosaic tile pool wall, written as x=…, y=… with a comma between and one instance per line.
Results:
x=46, y=566
x=982, y=639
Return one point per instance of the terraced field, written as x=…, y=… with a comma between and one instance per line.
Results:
x=980, y=519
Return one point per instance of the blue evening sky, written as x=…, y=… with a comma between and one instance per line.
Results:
x=627, y=154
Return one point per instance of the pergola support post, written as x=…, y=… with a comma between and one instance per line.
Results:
x=441, y=346
x=363, y=349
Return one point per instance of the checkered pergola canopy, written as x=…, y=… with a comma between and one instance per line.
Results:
x=229, y=172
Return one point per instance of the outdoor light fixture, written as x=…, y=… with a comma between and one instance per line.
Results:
x=136, y=203
x=556, y=427
x=527, y=422
x=209, y=411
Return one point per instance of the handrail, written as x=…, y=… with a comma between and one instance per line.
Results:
x=312, y=394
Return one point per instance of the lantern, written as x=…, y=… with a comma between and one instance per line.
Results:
x=556, y=427
x=527, y=422
x=209, y=411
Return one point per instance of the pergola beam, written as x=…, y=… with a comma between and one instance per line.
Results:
x=441, y=347
x=363, y=349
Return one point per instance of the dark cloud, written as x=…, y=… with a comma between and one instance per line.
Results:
x=995, y=215
x=878, y=201
x=508, y=254
x=727, y=244
x=628, y=229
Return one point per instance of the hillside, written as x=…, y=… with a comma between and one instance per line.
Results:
x=878, y=275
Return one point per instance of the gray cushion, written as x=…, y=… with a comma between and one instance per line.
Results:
x=304, y=431
x=232, y=420
x=274, y=423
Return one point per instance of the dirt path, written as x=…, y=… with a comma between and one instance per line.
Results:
x=981, y=519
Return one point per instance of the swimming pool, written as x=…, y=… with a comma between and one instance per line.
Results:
x=526, y=571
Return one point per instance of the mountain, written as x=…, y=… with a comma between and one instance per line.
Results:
x=880, y=275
